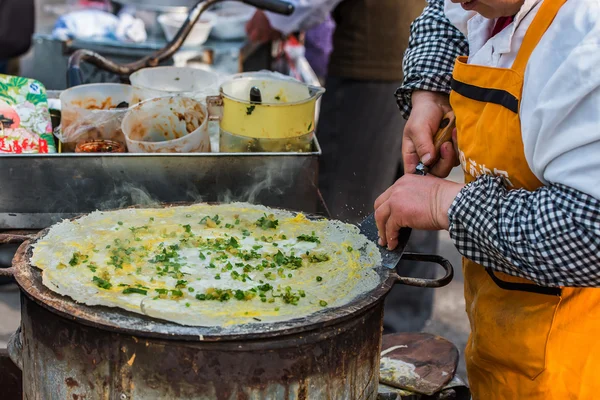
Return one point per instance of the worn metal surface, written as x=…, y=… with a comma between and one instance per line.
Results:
x=10, y=237
x=39, y=190
x=63, y=359
x=15, y=348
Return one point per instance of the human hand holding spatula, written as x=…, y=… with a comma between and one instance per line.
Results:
x=369, y=226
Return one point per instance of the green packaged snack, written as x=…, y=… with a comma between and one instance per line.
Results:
x=25, y=123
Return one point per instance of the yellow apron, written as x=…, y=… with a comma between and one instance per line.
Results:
x=527, y=342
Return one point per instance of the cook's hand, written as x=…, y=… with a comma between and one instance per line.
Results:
x=259, y=29
x=414, y=201
x=417, y=142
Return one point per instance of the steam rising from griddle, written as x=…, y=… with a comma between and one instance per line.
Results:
x=274, y=178
x=260, y=186
x=128, y=194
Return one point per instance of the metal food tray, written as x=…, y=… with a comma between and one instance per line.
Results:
x=37, y=190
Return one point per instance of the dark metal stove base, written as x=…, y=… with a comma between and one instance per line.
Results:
x=11, y=382
x=63, y=359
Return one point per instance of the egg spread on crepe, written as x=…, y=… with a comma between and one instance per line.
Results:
x=208, y=265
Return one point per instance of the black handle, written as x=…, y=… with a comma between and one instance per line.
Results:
x=428, y=283
x=255, y=95
x=276, y=6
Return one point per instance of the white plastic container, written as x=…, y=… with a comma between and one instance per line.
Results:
x=230, y=20
x=149, y=83
x=172, y=124
x=171, y=23
x=88, y=112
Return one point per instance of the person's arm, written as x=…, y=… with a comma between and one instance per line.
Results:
x=550, y=235
x=433, y=47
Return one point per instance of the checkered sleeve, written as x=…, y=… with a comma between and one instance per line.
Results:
x=433, y=47
x=550, y=236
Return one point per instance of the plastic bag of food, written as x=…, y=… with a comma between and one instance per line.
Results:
x=93, y=112
x=88, y=24
x=25, y=124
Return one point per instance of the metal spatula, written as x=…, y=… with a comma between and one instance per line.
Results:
x=368, y=227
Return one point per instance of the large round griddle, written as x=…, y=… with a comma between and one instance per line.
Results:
x=29, y=278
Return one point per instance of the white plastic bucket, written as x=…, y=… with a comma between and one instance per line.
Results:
x=149, y=83
x=173, y=124
x=89, y=112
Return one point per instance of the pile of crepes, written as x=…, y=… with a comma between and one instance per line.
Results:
x=208, y=265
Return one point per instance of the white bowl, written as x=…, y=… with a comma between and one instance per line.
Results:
x=230, y=21
x=161, y=126
x=164, y=81
x=171, y=22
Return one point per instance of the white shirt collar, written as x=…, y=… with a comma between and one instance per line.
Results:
x=478, y=29
x=505, y=38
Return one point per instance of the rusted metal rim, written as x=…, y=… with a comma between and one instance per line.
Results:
x=29, y=278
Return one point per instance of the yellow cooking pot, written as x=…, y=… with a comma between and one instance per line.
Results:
x=268, y=106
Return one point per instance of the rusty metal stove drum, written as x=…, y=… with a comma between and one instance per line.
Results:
x=72, y=351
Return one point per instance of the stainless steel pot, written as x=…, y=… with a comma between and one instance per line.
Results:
x=69, y=350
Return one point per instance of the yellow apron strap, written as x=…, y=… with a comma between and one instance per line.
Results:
x=536, y=31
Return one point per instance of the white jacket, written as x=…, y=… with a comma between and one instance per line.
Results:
x=560, y=107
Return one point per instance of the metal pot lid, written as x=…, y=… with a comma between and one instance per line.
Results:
x=274, y=89
x=29, y=278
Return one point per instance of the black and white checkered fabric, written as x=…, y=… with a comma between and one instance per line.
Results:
x=550, y=236
x=429, y=60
